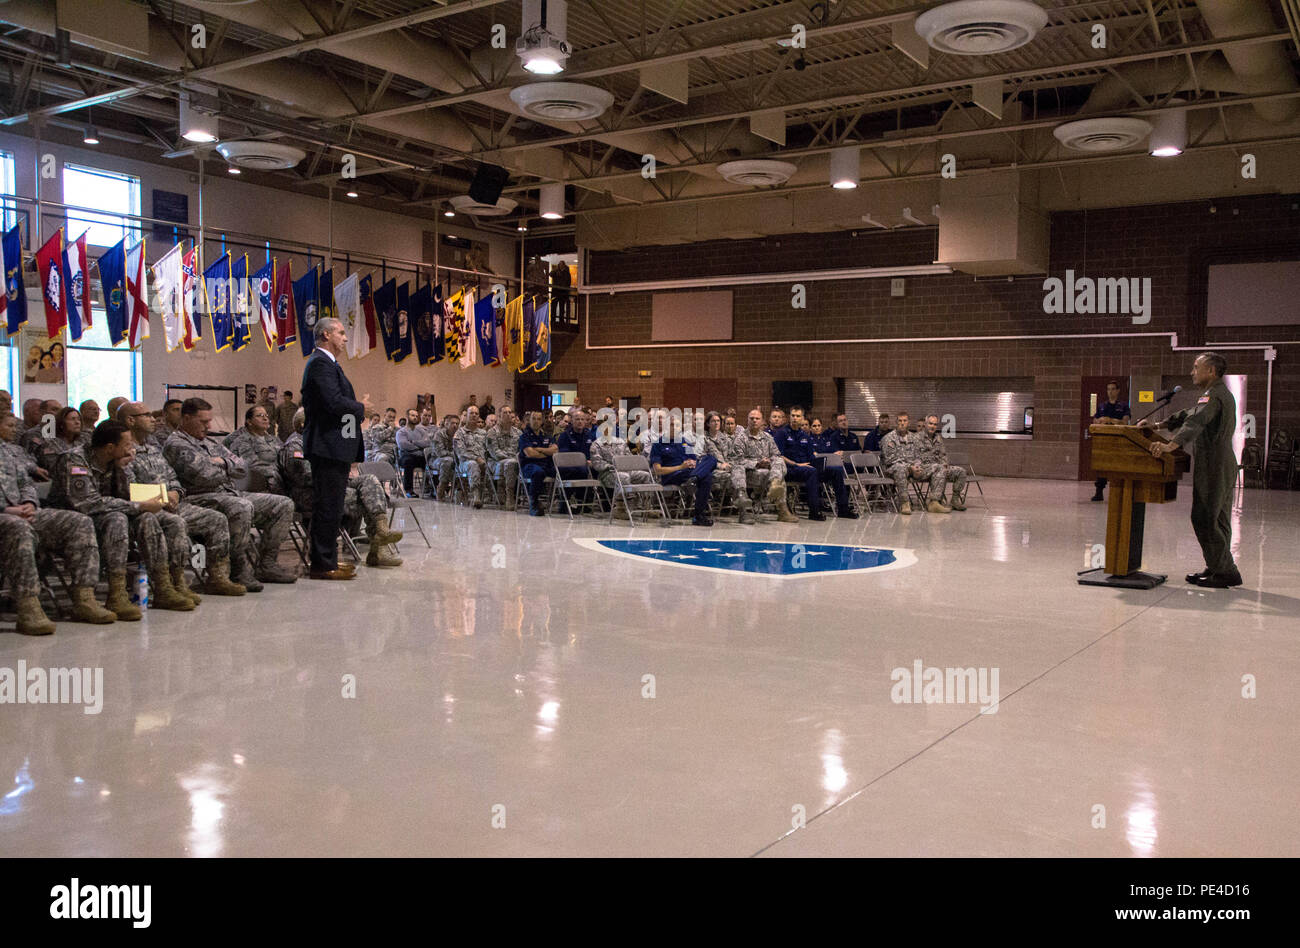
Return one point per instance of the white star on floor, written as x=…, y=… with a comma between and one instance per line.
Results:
x=649, y=552
x=771, y=551
x=817, y=553
x=708, y=549
x=861, y=549
x=685, y=556
x=731, y=554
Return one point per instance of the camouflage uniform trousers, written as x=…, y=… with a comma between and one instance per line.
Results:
x=364, y=499
x=441, y=466
x=899, y=472
x=473, y=472
x=161, y=538
x=270, y=513
x=937, y=474
x=208, y=527
x=508, y=472
x=66, y=532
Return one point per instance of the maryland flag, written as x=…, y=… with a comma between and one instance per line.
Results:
x=453, y=324
x=514, y=334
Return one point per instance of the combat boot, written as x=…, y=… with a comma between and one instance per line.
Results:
x=746, y=510
x=935, y=507
x=182, y=587
x=219, y=582
x=32, y=619
x=957, y=504
x=86, y=609
x=381, y=533
x=119, y=600
x=777, y=496
x=164, y=595
x=377, y=557
x=905, y=507
x=242, y=573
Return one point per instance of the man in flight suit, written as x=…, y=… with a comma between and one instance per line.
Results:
x=1209, y=428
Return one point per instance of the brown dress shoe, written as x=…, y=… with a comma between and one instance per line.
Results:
x=332, y=574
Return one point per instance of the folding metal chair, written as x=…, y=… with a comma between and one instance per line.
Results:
x=631, y=463
x=871, y=479
x=392, y=484
x=959, y=458
x=576, y=460
x=829, y=463
x=459, y=481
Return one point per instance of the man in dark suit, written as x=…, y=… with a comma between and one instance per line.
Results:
x=331, y=440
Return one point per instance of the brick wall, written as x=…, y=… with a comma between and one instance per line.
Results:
x=1167, y=243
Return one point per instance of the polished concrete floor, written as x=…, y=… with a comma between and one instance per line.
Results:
x=500, y=708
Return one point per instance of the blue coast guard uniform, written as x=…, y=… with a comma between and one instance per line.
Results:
x=535, y=471
x=670, y=454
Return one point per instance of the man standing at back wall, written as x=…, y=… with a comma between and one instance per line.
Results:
x=331, y=439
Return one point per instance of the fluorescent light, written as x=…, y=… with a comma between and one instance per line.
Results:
x=541, y=46
x=543, y=65
x=233, y=170
x=91, y=136
x=846, y=168
x=448, y=213
x=352, y=194
x=196, y=125
x=552, y=201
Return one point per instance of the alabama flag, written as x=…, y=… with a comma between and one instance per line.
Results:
x=136, y=289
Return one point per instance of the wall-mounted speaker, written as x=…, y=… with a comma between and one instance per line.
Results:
x=488, y=182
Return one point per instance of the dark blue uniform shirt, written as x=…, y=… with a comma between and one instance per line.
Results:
x=796, y=445
x=1118, y=410
x=534, y=439
x=572, y=441
x=845, y=441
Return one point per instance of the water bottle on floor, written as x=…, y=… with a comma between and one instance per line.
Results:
x=140, y=595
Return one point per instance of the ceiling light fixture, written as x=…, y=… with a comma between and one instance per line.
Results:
x=352, y=194
x=197, y=125
x=552, y=201
x=1169, y=133
x=846, y=168
x=90, y=136
x=233, y=170
x=448, y=213
x=542, y=47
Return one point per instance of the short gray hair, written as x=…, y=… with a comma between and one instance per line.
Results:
x=323, y=326
x=300, y=419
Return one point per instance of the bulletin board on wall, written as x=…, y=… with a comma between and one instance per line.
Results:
x=42, y=364
x=224, y=400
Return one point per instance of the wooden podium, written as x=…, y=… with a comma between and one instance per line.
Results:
x=1122, y=455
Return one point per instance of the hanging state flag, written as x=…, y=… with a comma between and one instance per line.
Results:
x=193, y=324
x=527, y=344
x=4, y=278
x=499, y=329
x=514, y=334
x=137, y=289
x=286, y=318
x=437, y=316
x=167, y=291
x=386, y=307
x=76, y=287
x=422, y=318
x=263, y=293
x=307, y=301
x=468, y=345
x=371, y=321
x=112, y=278
x=453, y=316
x=216, y=296
x=326, y=296
x=403, y=323
x=485, y=327
x=241, y=302
x=49, y=265
x=347, y=307
x=542, y=337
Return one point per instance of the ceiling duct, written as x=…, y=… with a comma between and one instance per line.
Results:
x=1102, y=134
x=757, y=173
x=561, y=101
x=261, y=156
x=981, y=27
x=467, y=205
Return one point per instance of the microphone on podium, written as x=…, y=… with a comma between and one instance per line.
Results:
x=1163, y=400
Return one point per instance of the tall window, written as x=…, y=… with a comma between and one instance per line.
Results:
x=8, y=188
x=107, y=191
x=97, y=370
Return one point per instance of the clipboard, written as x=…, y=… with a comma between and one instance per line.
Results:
x=143, y=492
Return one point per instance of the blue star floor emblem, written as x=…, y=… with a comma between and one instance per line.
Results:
x=779, y=559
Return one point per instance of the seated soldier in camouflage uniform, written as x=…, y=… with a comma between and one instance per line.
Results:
x=502, y=454
x=208, y=527
x=933, y=458
x=609, y=444
x=722, y=446
x=260, y=450
x=900, y=459
x=31, y=431
x=67, y=435
x=470, y=445
x=205, y=470
x=380, y=439
x=439, y=459
x=363, y=500
x=28, y=530
x=89, y=419
x=756, y=454
x=96, y=485
x=167, y=425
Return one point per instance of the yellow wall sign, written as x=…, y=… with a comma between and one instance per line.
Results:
x=1146, y=396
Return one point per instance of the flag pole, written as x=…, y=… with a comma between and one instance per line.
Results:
x=329, y=256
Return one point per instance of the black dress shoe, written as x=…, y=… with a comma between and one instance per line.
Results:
x=816, y=515
x=1193, y=578
x=335, y=574
x=1097, y=497
x=846, y=514
x=1219, y=580
x=702, y=522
